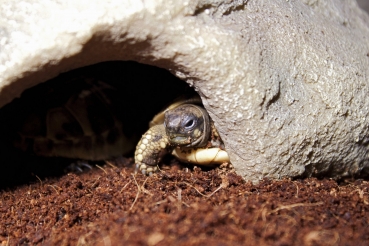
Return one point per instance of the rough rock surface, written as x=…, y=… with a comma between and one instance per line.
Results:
x=286, y=82
x=363, y=4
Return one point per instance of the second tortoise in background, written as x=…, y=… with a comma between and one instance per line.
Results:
x=81, y=119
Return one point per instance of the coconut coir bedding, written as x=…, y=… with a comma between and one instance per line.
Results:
x=109, y=205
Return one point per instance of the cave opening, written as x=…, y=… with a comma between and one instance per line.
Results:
x=140, y=92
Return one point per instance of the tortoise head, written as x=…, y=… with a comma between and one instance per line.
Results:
x=187, y=126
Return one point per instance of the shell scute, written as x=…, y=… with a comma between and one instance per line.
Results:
x=78, y=119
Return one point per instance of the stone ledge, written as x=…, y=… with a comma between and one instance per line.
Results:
x=285, y=82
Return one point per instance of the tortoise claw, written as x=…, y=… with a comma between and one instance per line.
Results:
x=145, y=169
x=137, y=168
x=78, y=167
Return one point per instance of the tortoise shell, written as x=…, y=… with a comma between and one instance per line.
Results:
x=78, y=119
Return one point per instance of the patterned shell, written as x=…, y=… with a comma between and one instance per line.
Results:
x=76, y=119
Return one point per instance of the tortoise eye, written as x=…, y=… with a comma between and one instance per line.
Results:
x=189, y=124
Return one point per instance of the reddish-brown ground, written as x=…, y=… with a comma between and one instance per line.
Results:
x=180, y=206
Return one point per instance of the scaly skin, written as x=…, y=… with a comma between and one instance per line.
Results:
x=153, y=145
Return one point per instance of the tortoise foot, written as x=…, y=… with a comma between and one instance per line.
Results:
x=151, y=148
x=145, y=169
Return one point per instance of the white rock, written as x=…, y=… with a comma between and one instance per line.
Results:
x=286, y=82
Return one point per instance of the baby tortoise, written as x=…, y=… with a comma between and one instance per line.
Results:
x=83, y=118
x=185, y=130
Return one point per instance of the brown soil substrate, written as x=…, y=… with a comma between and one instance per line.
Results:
x=183, y=206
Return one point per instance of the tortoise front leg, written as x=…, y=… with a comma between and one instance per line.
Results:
x=153, y=145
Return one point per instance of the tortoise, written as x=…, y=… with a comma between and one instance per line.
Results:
x=185, y=130
x=77, y=119
x=81, y=119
